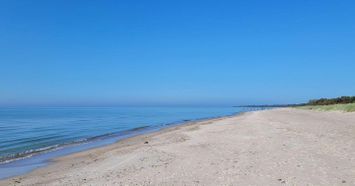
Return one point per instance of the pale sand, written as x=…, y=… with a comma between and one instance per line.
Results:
x=273, y=147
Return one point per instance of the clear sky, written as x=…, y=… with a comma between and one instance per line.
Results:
x=175, y=52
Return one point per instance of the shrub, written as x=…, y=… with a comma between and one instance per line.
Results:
x=326, y=101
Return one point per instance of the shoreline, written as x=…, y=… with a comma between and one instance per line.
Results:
x=43, y=159
x=277, y=146
x=121, y=143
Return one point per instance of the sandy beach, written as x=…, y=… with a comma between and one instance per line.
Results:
x=272, y=147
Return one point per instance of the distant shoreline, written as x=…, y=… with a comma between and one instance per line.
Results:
x=272, y=106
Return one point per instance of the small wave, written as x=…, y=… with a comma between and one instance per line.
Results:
x=29, y=153
x=139, y=128
x=26, y=154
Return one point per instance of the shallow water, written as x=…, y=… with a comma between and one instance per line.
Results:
x=39, y=132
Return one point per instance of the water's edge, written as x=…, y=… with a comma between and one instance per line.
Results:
x=26, y=164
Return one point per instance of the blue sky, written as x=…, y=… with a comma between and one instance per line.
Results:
x=175, y=53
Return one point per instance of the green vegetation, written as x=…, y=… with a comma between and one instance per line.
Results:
x=339, y=100
x=344, y=103
x=350, y=107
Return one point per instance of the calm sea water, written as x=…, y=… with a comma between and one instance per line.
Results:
x=25, y=132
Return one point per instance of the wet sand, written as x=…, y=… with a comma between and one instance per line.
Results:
x=272, y=147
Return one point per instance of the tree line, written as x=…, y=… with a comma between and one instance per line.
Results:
x=330, y=101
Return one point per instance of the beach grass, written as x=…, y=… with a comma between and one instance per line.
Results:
x=350, y=107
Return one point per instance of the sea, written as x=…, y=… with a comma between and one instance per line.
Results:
x=31, y=137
